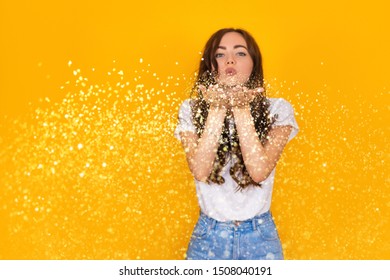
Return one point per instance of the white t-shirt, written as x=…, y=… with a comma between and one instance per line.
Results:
x=224, y=202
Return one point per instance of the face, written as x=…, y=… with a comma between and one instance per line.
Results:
x=234, y=62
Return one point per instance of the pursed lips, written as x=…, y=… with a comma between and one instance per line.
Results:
x=230, y=71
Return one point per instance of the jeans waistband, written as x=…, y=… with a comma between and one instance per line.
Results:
x=252, y=222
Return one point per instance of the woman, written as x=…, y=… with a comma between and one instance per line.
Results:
x=233, y=137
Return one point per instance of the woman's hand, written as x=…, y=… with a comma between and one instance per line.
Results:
x=216, y=96
x=241, y=96
x=229, y=97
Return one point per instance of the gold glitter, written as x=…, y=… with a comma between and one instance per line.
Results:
x=100, y=176
x=88, y=164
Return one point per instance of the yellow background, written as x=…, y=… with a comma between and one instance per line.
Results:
x=111, y=182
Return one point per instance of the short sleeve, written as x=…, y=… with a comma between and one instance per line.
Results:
x=283, y=112
x=185, y=119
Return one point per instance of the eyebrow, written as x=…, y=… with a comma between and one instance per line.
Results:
x=235, y=47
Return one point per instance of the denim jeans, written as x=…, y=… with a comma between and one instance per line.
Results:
x=253, y=239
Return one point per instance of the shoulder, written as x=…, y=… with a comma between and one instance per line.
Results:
x=283, y=114
x=185, y=119
x=185, y=110
x=186, y=104
x=278, y=102
x=279, y=106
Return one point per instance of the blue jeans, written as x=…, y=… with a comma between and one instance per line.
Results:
x=253, y=239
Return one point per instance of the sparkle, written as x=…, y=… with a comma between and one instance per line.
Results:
x=100, y=169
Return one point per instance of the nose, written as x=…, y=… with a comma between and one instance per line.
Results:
x=230, y=60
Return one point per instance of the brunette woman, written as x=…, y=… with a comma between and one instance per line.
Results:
x=233, y=137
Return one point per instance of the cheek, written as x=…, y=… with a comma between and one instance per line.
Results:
x=249, y=67
x=219, y=65
x=246, y=70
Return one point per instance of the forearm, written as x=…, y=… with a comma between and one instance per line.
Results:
x=202, y=156
x=254, y=154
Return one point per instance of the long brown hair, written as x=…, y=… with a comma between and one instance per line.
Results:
x=229, y=142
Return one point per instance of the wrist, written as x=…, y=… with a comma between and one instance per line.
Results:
x=242, y=114
x=241, y=108
x=218, y=107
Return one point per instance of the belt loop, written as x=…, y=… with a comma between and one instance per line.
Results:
x=213, y=224
x=254, y=221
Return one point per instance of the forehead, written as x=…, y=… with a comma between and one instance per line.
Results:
x=232, y=38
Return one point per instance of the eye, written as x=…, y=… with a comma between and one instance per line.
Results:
x=217, y=55
x=241, y=54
